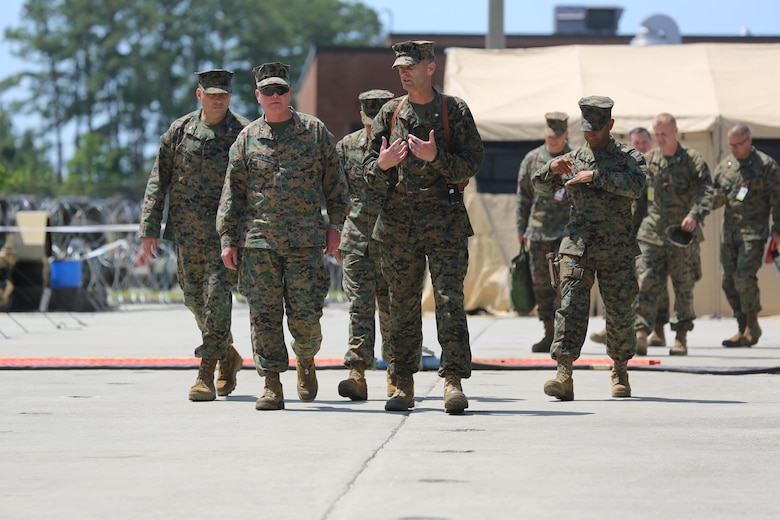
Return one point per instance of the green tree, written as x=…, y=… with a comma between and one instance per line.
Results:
x=124, y=70
x=96, y=169
x=23, y=164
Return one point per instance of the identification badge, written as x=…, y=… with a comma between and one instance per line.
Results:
x=559, y=194
x=651, y=194
x=743, y=191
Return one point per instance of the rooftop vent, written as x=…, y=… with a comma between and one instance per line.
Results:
x=579, y=20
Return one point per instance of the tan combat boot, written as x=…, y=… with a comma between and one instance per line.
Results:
x=454, y=399
x=403, y=397
x=562, y=387
x=273, y=396
x=307, y=380
x=203, y=389
x=738, y=339
x=753, y=331
x=546, y=341
x=599, y=337
x=657, y=338
x=620, y=385
x=228, y=370
x=680, y=347
x=391, y=382
x=355, y=387
x=641, y=342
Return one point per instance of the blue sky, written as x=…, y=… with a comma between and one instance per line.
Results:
x=693, y=17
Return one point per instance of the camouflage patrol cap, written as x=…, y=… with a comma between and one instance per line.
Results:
x=215, y=81
x=557, y=123
x=412, y=52
x=676, y=236
x=596, y=112
x=371, y=101
x=275, y=73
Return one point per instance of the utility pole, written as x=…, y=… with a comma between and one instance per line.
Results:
x=496, y=39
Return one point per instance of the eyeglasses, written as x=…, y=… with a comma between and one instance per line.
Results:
x=737, y=145
x=270, y=91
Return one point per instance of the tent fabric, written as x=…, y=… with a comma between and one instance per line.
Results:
x=703, y=85
x=707, y=87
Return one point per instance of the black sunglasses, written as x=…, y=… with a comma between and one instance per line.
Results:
x=270, y=91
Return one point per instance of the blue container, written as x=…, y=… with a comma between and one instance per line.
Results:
x=65, y=273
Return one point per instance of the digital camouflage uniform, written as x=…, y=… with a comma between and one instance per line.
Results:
x=364, y=284
x=270, y=210
x=677, y=187
x=541, y=218
x=420, y=223
x=745, y=226
x=599, y=240
x=190, y=169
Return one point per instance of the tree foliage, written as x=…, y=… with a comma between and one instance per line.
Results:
x=119, y=72
x=23, y=164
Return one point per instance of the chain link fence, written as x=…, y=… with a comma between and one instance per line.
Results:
x=101, y=236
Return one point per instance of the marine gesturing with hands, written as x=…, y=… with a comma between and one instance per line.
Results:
x=390, y=156
x=564, y=166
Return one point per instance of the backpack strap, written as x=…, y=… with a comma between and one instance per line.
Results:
x=446, y=121
x=445, y=118
x=395, y=114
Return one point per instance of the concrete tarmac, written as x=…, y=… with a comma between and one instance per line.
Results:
x=700, y=438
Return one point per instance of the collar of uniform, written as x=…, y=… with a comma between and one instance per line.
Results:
x=265, y=131
x=407, y=112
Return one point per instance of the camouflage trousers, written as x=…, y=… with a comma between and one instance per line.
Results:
x=207, y=286
x=275, y=282
x=682, y=265
x=403, y=266
x=662, y=313
x=617, y=286
x=739, y=264
x=547, y=298
x=367, y=292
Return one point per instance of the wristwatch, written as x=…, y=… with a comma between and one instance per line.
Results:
x=337, y=227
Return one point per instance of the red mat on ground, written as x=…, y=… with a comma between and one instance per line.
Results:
x=159, y=363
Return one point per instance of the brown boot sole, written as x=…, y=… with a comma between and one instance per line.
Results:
x=655, y=341
x=398, y=404
x=740, y=344
x=621, y=391
x=455, y=402
x=351, y=389
x=263, y=404
x=555, y=389
x=225, y=389
x=197, y=396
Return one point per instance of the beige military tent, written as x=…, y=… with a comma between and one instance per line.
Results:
x=708, y=87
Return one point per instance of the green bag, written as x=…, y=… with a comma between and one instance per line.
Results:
x=521, y=288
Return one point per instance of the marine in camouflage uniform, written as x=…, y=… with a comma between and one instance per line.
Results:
x=605, y=176
x=190, y=170
x=423, y=219
x=272, y=229
x=639, y=138
x=679, y=194
x=364, y=284
x=541, y=219
x=747, y=182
